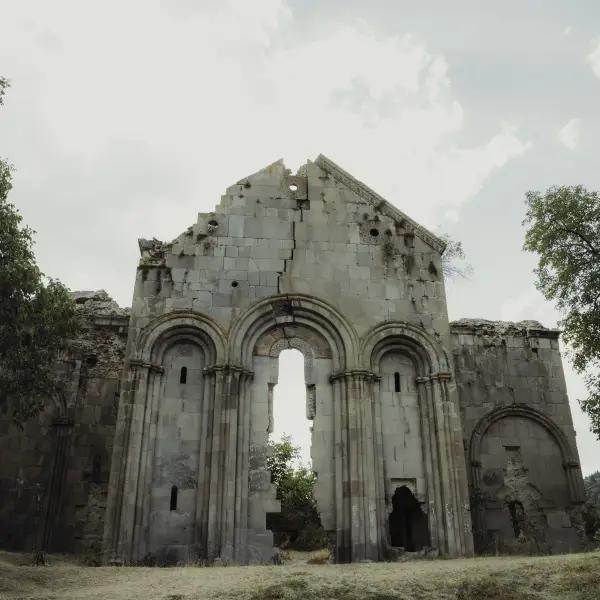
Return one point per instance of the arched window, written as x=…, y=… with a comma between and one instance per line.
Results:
x=174, y=496
x=396, y=381
x=183, y=375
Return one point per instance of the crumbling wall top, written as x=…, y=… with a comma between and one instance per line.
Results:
x=503, y=328
x=98, y=304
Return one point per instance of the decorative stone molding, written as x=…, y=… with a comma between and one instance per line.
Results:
x=229, y=368
x=429, y=357
x=370, y=375
x=379, y=202
x=144, y=364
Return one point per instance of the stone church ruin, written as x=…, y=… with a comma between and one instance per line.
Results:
x=427, y=436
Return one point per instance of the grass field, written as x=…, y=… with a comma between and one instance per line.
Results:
x=566, y=577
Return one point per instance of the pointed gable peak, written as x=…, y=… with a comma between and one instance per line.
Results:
x=379, y=202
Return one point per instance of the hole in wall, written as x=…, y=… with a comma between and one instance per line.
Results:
x=234, y=284
x=374, y=232
x=173, y=504
x=293, y=187
x=396, y=381
x=408, y=523
x=517, y=517
x=183, y=375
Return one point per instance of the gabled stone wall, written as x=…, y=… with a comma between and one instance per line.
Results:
x=319, y=262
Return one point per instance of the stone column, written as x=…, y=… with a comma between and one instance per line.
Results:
x=63, y=427
x=205, y=463
x=358, y=505
x=227, y=509
x=574, y=480
x=435, y=508
x=123, y=498
x=449, y=518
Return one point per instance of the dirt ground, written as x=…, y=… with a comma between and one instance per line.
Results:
x=565, y=577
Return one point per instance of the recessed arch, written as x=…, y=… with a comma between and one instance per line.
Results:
x=395, y=336
x=157, y=336
x=524, y=411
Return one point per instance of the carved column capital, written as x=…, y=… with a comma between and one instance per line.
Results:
x=136, y=363
x=226, y=368
x=439, y=376
x=355, y=374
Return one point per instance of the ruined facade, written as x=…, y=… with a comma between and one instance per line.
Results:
x=426, y=435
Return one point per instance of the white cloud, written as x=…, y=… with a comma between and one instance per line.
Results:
x=137, y=123
x=570, y=134
x=529, y=304
x=594, y=57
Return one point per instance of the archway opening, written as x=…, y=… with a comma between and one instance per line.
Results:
x=298, y=525
x=290, y=416
x=407, y=522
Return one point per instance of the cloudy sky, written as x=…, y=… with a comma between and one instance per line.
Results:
x=125, y=119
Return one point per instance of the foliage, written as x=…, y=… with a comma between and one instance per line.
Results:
x=564, y=230
x=36, y=316
x=299, y=518
x=4, y=84
x=280, y=458
x=591, y=509
x=454, y=260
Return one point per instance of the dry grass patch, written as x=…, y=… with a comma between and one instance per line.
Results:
x=568, y=577
x=319, y=557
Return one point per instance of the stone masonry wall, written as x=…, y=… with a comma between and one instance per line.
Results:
x=525, y=481
x=54, y=472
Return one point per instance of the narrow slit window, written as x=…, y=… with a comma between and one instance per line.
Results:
x=396, y=381
x=183, y=375
x=174, y=498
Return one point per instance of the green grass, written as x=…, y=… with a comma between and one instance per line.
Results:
x=566, y=577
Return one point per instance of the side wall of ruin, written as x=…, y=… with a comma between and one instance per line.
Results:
x=525, y=481
x=54, y=473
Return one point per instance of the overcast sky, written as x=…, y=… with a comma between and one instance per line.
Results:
x=127, y=118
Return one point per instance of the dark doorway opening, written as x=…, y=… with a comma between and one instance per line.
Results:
x=408, y=523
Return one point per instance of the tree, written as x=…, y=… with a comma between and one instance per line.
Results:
x=591, y=509
x=37, y=315
x=564, y=230
x=298, y=524
x=454, y=260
